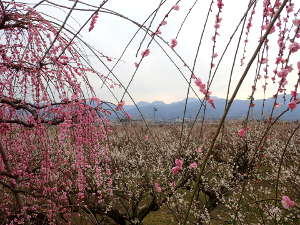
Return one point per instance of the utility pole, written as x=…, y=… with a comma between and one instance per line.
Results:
x=154, y=113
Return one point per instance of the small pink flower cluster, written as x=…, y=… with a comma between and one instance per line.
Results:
x=249, y=25
x=294, y=94
x=220, y=4
x=287, y=202
x=173, y=43
x=193, y=165
x=217, y=26
x=128, y=116
x=290, y=8
x=242, y=132
x=158, y=32
x=296, y=22
x=96, y=100
x=293, y=104
x=279, y=60
x=203, y=90
x=294, y=47
x=164, y=22
x=266, y=26
x=176, y=169
x=176, y=7
x=263, y=60
x=283, y=75
x=145, y=53
x=93, y=22
x=157, y=187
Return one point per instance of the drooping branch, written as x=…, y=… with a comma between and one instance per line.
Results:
x=38, y=111
x=19, y=104
x=263, y=39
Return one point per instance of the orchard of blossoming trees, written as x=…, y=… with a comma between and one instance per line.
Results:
x=63, y=162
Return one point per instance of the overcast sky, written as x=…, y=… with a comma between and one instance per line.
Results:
x=157, y=78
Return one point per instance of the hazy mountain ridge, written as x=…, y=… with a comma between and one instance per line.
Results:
x=161, y=111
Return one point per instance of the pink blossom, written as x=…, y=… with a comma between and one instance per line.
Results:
x=176, y=7
x=157, y=187
x=178, y=167
x=193, y=165
x=96, y=100
x=292, y=105
x=277, y=105
x=298, y=65
x=294, y=47
x=145, y=53
x=175, y=170
x=290, y=8
x=173, y=43
x=279, y=60
x=146, y=137
x=290, y=67
x=220, y=4
x=164, y=22
x=202, y=87
x=136, y=64
x=179, y=163
x=158, y=32
x=120, y=105
x=283, y=73
x=215, y=55
x=242, y=132
x=128, y=116
x=211, y=102
x=93, y=22
x=272, y=30
x=296, y=22
x=294, y=94
x=218, y=19
x=263, y=60
x=199, y=83
x=287, y=202
x=266, y=26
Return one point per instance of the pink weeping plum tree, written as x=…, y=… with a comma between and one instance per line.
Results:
x=57, y=161
x=53, y=144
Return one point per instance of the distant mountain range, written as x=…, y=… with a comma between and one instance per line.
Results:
x=160, y=111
